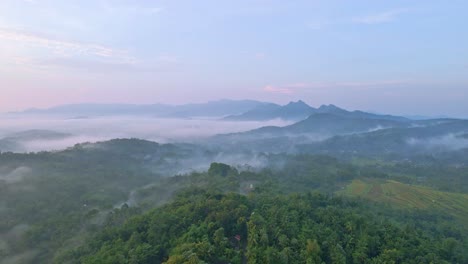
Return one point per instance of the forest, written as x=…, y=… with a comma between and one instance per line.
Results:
x=113, y=202
x=233, y=132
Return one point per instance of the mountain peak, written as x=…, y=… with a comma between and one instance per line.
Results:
x=299, y=103
x=329, y=107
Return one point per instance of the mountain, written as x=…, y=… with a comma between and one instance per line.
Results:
x=330, y=123
x=213, y=109
x=401, y=141
x=231, y=110
x=335, y=131
x=332, y=109
x=292, y=111
x=299, y=110
x=316, y=128
x=210, y=109
x=262, y=112
x=322, y=125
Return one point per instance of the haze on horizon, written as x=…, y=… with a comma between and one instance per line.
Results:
x=397, y=57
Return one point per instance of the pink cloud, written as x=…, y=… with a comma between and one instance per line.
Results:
x=260, y=55
x=273, y=89
x=298, y=85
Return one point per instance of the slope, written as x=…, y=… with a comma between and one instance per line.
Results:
x=407, y=196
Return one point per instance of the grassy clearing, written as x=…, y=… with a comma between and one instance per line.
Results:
x=402, y=195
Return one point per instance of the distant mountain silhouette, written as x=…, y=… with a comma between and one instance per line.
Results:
x=231, y=110
x=356, y=133
x=296, y=111
x=292, y=111
x=327, y=124
x=218, y=109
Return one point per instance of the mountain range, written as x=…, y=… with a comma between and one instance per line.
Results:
x=212, y=109
x=228, y=110
x=327, y=129
x=299, y=110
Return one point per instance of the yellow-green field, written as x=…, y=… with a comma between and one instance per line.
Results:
x=402, y=195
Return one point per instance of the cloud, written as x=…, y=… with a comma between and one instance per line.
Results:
x=379, y=18
x=88, y=65
x=367, y=84
x=153, y=10
x=133, y=10
x=161, y=130
x=274, y=89
x=449, y=141
x=319, y=25
x=293, y=87
x=16, y=175
x=163, y=63
x=63, y=47
x=260, y=55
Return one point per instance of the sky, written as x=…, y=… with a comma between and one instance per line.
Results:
x=399, y=57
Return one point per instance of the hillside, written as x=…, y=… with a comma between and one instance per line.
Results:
x=406, y=196
x=203, y=226
x=316, y=127
x=103, y=185
x=433, y=137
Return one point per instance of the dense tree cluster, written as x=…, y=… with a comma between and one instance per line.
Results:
x=200, y=226
x=287, y=211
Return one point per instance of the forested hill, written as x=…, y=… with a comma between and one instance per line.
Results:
x=203, y=226
x=101, y=203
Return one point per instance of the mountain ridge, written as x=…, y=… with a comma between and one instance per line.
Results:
x=227, y=110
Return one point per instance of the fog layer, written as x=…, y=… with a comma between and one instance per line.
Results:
x=105, y=128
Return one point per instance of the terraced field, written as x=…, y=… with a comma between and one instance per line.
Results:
x=402, y=195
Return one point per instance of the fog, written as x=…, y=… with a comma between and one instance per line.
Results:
x=105, y=128
x=377, y=128
x=449, y=141
x=16, y=175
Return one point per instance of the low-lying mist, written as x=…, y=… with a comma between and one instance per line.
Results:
x=15, y=175
x=449, y=141
x=105, y=128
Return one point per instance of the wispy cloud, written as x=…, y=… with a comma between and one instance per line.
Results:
x=63, y=47
x=379, y=18
x=163, y=63
x=285, y=89
x=365, y=84
x=153, y=10
x=294, y=87
x=319, y=25
x=114, y=9
x=260, y=55
x=88, y=65
x=274, y=89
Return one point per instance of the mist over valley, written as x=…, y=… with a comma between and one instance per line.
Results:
x=233, y=132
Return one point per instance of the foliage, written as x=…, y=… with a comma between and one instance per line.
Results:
x=201, y=227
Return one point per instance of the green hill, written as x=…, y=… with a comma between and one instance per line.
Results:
x=407, y=196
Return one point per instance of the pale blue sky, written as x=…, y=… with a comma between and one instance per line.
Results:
x=387, y=56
